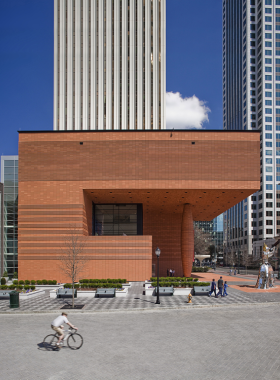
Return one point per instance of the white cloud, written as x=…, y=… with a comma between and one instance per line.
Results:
x=185, y=113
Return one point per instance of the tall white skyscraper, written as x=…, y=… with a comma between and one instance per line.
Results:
x=109, y=64
x=251, y=101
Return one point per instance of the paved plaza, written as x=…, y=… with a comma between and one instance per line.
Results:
x=136, y=300
x=203, y=344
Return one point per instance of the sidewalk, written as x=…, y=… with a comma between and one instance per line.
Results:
x=136, y=300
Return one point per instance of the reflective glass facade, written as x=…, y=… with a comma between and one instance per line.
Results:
x=117, y=220
x=215, y=229
x=9, y=177
x=1, y=228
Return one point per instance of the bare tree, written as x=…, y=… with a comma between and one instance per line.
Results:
x=230, y=258
x=72, y=261
x=202, y=240
x=246, y=259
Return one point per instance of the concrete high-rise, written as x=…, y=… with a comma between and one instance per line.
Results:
x=109, y=64
x=251, y=101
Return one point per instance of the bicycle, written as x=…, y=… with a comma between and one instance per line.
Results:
x=74, y=340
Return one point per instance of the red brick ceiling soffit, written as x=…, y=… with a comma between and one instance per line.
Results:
x=206, y=204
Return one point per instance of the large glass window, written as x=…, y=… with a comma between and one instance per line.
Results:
x=118, y=220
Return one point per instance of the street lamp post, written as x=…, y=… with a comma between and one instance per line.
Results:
x=157, y=252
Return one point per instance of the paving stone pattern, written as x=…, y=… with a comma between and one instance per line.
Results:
x=202, y=344
x=134, y=300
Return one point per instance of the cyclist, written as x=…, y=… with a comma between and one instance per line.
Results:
x=57, y=326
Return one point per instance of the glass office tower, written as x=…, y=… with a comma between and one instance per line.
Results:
x=1, y=228
x=215, y=229
x=9, y=177
x=109, y=64
x=251, y=101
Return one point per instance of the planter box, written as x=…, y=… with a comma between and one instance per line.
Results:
x=177, y=291
x=150, y=292
x=182, y=291
x=49, y=287
x=24, y=296
x=201, y=289
x=91, y=293
x=121, y=293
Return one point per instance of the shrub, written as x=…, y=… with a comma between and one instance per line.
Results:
x=33, y=282
x=67, y=286
x=4, y=287
x=27, y=282
x=26, y=287
x=54, y=282
x=12, y=287
x=21, y=282
x=195, y=279
x=19, y=287
x=189, y=278
x=15, y=275
x=5, y=274
x=32, y=287
x=50, y=282
x=3, y=281
x=103, y=280
x=44, y=282
x=15, y=282
x=201, y=283
x=76, y=286
x=39, y=282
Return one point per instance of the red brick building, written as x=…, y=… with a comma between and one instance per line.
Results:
x=127, y=192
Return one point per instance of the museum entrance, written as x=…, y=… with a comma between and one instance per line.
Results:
x=117, y=219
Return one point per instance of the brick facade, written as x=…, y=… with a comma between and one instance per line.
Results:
x=62, y=173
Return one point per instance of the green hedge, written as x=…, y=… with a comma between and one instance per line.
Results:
x=103, y=281
x=92, y=285
x=183, y=284
x=33, y=282
x=4, y=287
x=200, y=269
x=3, y=281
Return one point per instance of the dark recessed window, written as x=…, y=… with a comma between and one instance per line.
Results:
x=81, y=143
x=193, y=142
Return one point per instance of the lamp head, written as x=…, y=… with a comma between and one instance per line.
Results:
x=157, y=252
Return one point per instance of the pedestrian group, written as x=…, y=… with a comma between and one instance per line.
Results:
x=222, y=286
x=170, y=272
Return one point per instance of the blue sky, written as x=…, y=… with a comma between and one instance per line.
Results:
x=194, y=62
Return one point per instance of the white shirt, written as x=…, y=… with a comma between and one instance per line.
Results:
x=59, y=321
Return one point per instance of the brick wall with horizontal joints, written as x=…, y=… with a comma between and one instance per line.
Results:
x=62, y=174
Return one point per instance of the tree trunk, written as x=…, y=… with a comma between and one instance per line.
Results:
x=73, y=290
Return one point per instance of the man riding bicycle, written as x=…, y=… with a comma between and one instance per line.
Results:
x=57, y=326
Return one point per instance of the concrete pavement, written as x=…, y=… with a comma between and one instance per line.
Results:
x=203, y=344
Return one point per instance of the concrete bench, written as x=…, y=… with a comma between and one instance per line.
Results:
x=201, y=289
x=5, y=294
x=105, y=292
x=164, y=290
x=66, y=293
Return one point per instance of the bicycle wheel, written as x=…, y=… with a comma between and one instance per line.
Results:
x=75, y=341
x=50, y=342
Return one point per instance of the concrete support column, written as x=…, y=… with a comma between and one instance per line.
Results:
x=187, y=240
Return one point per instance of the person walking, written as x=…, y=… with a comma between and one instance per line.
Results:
x=213, y=288
x=170, y=272
x=173, y=273
x=230, y=272
x=225, y=288
x=220, y=286
x=235, y=272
